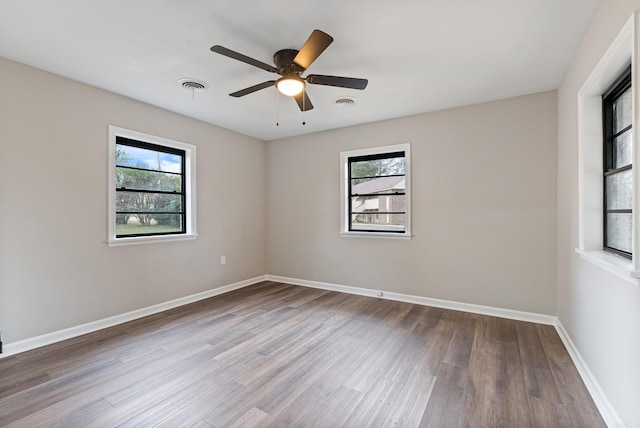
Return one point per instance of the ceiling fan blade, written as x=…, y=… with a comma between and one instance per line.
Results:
x=243, y=58
x=317, y=42
x=303, y=101
x=254, y=88
x=342, y=82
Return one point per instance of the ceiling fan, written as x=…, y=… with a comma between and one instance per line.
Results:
x=290, y=64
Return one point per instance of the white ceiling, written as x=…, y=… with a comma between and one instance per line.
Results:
x=419, y=55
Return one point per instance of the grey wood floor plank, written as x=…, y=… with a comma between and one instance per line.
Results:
x=446, y=406
x=372, y=410
x=483, y=374
x=337, y=409
x=567, y=379
x=411, y=401
x=512, y=402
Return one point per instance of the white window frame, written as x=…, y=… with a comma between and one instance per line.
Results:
x=344, y=191
x=190, y=188
x=623, y=51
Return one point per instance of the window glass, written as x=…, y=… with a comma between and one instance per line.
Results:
x=147, y=159
x=622, y=111
x=619, y=231
x=622, y=149
x=378, y=167
x=150, y=198
x=618, y=190
x=618, y=170
x=377, y=193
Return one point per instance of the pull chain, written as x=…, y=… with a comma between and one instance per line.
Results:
x=304, y=110
x=277, y=108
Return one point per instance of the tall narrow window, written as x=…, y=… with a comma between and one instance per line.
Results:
x=376, y=191
x=618, y=174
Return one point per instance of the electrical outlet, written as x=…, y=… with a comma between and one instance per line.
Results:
x=223, y=260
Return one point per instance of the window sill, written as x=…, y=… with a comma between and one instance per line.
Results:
x=375, y=235
x=137, y=240
x=619, y=266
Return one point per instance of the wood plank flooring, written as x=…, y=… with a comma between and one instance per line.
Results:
x=277, y=355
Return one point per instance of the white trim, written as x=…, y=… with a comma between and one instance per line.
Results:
x=344, y=190
x=190, y=187
x=137, y=240
x=600, y=399
x=617, y=265
x=352, y=234
x=635, y=142
x=419, y=300
x=71, y=332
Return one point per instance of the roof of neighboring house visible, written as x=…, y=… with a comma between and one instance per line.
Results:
x=379, y=184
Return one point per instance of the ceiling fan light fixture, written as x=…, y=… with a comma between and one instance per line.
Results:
x=290, y=86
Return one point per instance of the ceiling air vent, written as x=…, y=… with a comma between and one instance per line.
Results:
x=346, y=101
x=193, y=85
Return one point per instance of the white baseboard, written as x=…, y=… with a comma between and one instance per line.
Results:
x=68, y=333
x=425, y=301
x=607, y=411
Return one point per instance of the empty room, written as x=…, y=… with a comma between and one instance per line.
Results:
x=340, y=214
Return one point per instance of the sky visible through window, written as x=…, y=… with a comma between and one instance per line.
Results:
x=150, y=159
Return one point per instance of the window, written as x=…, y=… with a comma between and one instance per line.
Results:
x=608, y=188
x=375, y=192
x=617, y=167
x=150, y=195
x=151, y=192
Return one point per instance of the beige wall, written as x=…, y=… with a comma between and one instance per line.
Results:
x=484, y=204
x=55, y=268
x=600, y=312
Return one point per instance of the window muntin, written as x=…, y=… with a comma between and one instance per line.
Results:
x=150, y=190
x=617, y=167
x=377, y=200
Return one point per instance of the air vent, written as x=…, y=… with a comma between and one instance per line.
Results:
x=346, y=101
x=193, y=85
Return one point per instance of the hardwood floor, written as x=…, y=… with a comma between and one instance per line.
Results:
x=280, y=355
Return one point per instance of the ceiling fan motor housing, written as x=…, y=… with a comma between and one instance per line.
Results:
x=283, y=60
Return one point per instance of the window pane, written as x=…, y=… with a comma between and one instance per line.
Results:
x=393, y=203
x=147, y=159
x=622, y=111
x=374, y=221
x=369, y=186
x=377, y=167
x=619, y=231
x=619, y=194
x=622, y=149
x=147, y=180
x=147, y=202
x=146, y=224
